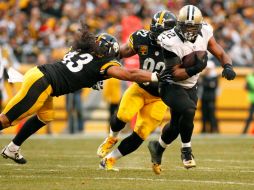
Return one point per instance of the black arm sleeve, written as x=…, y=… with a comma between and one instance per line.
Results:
x=195, y=69
x=198, y=67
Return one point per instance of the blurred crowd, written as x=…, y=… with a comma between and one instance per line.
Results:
x=40, y=31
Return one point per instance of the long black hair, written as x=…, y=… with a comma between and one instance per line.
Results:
x=85, y=41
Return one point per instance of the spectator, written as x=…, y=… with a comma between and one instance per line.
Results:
x=250, y=88
x=209, y=85
x=112, y=95
x=74, y=112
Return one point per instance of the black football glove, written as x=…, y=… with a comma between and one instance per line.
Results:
x=98, y=85
x=165, y=76
x=228, y=72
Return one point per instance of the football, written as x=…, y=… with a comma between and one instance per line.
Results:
x=190, y=59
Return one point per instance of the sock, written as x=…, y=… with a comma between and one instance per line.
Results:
x=13, y=147
x=32, y=125
x=130, y=144
x=184, y=145
x=116, y=154
x=161, y=146
x=116, y=124
x=113, y=134
x=162, y=143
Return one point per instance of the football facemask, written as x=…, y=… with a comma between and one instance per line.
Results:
x=161, y=21
x=108, y=42
x=189, y=22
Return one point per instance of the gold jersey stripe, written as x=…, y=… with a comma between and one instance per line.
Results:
x=111, y=63
x=131, y=42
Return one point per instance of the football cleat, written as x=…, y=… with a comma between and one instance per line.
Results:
x=106, y=146
x=108, y=164
x=187, y=158
x=14, y=155
x=155, y=157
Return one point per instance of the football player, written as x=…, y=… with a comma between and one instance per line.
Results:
x=190, y=34
x=140, y=98
x=90, y=60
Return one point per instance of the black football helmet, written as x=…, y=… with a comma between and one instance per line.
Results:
x=108, y=42
x=161, y=21
x=189, y=22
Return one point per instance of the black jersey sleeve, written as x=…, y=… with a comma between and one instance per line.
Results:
x=137, y=38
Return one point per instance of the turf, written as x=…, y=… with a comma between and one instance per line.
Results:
x=223, y=163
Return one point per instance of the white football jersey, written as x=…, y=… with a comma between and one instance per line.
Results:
x=170, y=41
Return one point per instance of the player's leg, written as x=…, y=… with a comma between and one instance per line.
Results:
x=186, y=126
x=30, y=99
x=182, y=101
x=148, y=119
x=169, y=133
x=132, y=101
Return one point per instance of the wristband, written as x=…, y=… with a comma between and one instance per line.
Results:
x=154, y=77
x=227, y=65
x=190, y=71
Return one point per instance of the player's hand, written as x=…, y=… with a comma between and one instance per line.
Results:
x=98, y=85
x=165, y=76
x=228, y=72
x=179, y=73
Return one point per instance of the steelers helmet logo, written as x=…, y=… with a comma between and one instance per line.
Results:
x=116, y=47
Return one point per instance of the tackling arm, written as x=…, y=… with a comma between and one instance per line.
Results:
x=135, y=75
x=126, y=51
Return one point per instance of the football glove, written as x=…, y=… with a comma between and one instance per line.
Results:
x=228, y=72
x=98, y=85
x=165, y=76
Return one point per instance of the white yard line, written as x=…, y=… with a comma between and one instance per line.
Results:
x=136, y=179
x=175, y=180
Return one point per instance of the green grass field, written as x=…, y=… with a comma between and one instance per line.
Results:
x=70, y=163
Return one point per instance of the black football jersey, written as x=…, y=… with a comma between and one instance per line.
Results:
x=77, y=70
x=150, y=57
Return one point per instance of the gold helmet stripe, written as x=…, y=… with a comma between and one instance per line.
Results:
x=161, y=17
x=99, y=37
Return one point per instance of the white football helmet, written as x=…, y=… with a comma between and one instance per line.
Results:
x=189, y=22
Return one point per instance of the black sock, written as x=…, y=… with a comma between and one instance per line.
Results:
x=130, y=144
x=32, y=125
x=159, y=148
x=116, y=124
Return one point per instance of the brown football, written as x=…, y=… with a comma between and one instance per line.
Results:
x=190, y=59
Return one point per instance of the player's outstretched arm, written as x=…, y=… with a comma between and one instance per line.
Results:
x=135, y=75
x=223, y=57
x=126, y=51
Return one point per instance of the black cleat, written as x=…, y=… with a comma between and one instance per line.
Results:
x=187, y=157
x=155, y=156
